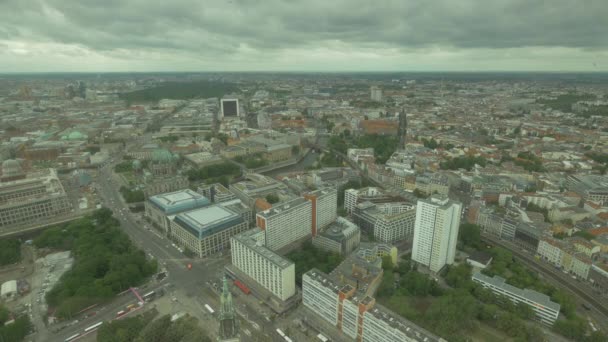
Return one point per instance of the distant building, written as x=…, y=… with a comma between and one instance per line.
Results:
x=254, y=187
x=160, y=209
x=270, y=270
x=591, y=187
x=229, y=108
x=207, y=230
x=376, y=94
x=356, y=315
x=340, y=237
x=545, y=310
x=202, y=159
x=436, y=232
x=37, y=197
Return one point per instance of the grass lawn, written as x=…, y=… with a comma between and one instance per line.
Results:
x=487, y=333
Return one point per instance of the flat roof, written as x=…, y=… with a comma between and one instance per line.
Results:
x=531, y=295
x=208, y=220
x=282, y=207
x=178, y=201
x=248, y=239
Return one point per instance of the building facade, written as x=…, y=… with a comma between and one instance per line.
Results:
x=273, y=272
x=357, y=315
x=436, y=232
x=160, y=209
x=286, y=222
x=544, y=309
x=36, y=197
x=340, y=237
x=207, y=230
x=324, y=208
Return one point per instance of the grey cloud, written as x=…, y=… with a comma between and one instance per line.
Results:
x=213, y=28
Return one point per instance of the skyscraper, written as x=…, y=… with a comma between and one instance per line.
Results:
x=436, y=232
x=228, y=322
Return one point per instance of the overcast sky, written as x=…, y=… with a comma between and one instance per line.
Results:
x=310, y=35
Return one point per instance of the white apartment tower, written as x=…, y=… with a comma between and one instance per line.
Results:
x=436, y=232
x=324, y=208
x=286, y=222
x=376, y=93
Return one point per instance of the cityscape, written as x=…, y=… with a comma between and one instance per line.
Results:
x=304, y=176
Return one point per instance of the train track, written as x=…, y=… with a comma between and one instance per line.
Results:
x=589, y=298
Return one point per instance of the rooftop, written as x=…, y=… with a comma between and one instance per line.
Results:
x=208, y=220
x=531, y=295
x=279, y=208
x=249, y=239
x=174, y=202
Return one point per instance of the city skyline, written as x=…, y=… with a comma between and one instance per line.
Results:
x=57, y=36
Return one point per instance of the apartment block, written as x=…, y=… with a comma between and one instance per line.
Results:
x=357, y=315
x=324, y=208
x=273, y=272
x=286, y=223
x=436, y=232
x=545, y=310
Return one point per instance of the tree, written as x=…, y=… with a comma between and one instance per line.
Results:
x=272, y=198
x=10, y=251
x=470, y=235
x=17, y=330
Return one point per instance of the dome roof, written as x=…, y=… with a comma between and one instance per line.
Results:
x=11, y=167
x=75, y=135
x=136, y=164
x=161, y=155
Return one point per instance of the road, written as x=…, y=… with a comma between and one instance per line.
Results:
x=582, y=291
x=193, y=285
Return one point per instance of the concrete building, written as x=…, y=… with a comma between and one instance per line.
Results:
x=571, y=255
x=202, y=159
x=388, y=222
x=273, y=272
x=591, y=187
x=375, y=93
x=164, y=185
x=161, y=209
x=216, y=193
x=324, y=207
x=37, y=197
x=545, y=310
x=355, y=315
x=255, y=186
x=436, y=232
x=207, y=230
x=340, y=237
x=286, y=223
x=8, y=291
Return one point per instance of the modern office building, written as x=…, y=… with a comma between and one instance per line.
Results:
x=324, y=208
x=388, y=222
x=215, y=192
x=207, y=230
x=340, y=237
x=161, y=209
x=352, y=197
x=436, y=232
x=355, y=315
x=270, y=270
x=37, y=197
x=286, y=223
x=230, y=108
x=545, y=310
x=256, y=186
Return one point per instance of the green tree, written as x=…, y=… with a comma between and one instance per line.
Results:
x=272, y=198
x=470, y=235
x=10, y=251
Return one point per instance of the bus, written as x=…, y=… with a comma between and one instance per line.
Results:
x=287, y=339
x=120, y=313
x=209, y=309
x=93, y=327
x=280, y=332
x=131, y=306
x=72, y=338
x=322, y=338
x=148, y=296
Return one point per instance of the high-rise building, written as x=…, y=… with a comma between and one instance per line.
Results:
x=357, y=315
x=228, y=322
x=230, y=108
x=324, y=208
x=402, y=129
x=436, y=232
x=376, y=93
x=286, y=223
x=273, y=272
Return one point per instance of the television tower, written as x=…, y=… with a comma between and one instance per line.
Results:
x=228, y=321
x=402, y=129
